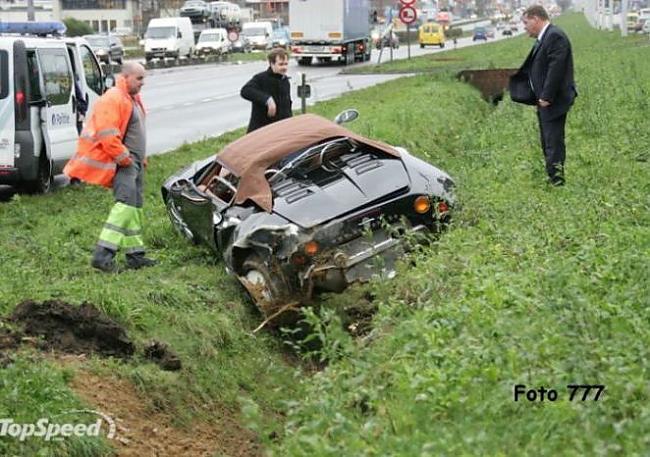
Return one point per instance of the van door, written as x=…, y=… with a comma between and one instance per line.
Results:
x=58, y=116
x=91, y=77
x=6, y=110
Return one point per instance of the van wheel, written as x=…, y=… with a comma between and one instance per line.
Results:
x=43, y=182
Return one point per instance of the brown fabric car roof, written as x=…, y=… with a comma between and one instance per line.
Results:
x=250, y=156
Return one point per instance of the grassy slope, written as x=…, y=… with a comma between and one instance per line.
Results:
x=532, y=285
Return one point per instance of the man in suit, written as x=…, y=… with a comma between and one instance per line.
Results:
x=549, y=67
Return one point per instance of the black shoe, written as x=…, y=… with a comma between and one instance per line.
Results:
x=103, y=259
x=136, y=261
x=107, y=266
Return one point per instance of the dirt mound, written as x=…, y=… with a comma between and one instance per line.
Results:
x=77, y=330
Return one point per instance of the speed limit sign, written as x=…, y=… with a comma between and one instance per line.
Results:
x=233, y=36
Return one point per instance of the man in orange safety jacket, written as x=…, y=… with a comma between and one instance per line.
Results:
x=112, y=153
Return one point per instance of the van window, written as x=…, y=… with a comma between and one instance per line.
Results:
x=4, y=74
x=33, y=74
x=57, y=75
x=91, y=70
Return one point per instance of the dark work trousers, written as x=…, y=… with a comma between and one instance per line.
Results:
x=128, y=183
x=552, y=139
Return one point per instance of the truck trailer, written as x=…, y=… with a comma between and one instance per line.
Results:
x=330, y=30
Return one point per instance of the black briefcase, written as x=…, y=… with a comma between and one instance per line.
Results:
x=519, y=88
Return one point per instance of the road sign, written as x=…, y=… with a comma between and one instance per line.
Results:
x=233, y=36
x=407, y=15
x=407, y=2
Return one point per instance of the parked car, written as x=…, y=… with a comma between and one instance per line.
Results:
x=213, y=42
x=168, y=37
x=507, y=31
x=646, y=26
x=241, y=44
x=514, y=26
x=489, y=32
x=314, y=211
x=107, y=48
x=225, y=14
x=197, y=10
x=280, y=37
x=479, y=34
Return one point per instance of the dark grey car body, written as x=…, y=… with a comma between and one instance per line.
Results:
x=107, y=48
x=355, y=203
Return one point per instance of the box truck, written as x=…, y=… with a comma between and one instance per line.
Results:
x=330, y=30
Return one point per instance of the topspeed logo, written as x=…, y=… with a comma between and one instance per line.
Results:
x=48, y=430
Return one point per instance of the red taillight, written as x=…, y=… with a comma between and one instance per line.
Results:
x=296, y=49
x=20, y=98
x=337, y=50
x=442, y=207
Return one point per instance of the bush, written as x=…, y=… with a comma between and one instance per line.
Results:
x=75, y=27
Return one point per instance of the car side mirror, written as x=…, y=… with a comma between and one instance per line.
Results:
x=179, y=35
x=346, y=116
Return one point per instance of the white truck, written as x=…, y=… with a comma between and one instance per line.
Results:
x=330, y=30
x=168, y=37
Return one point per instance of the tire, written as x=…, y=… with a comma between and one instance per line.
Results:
x=442, y=45
x=269, y=293
x=304, y=61
x=421, y=46
x=43, y=182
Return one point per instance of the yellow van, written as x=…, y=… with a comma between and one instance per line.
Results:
x=431, y=34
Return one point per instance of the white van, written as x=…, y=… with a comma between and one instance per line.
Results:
x=213, y=42
x=38, y=105
x=168, y=37
x=258, y=34
x=225, y=14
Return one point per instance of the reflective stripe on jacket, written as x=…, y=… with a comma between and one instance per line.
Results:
x=100, y=148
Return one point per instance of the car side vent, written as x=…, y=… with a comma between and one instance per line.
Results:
x=292, y=191
x=364, y=163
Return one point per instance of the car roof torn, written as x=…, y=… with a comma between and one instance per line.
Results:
x=250, y=156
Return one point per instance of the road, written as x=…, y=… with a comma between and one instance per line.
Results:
x=186, y=104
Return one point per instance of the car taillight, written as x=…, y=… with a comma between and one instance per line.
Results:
x=422, y=205
x=311, y=248
x=337, y=50
x=296, y=49
x=20, y=98
x=21, y=106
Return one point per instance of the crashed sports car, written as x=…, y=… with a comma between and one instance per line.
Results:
x=304, y=205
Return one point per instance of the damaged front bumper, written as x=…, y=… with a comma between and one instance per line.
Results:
x=358, y=260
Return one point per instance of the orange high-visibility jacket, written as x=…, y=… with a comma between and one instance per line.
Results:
x=100, y=148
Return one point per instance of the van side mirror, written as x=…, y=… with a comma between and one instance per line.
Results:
x=179, y=35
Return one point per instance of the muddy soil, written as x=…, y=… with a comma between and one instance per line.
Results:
x=143, y=431
x=73, y=329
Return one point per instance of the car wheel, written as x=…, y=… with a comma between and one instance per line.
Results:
x=43, y=182
x=421, y=46
x=268, y=292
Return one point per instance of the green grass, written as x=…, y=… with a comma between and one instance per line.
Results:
x=531, y=285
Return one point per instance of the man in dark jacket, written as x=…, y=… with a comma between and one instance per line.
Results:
x=270, y=92
x=549, y=67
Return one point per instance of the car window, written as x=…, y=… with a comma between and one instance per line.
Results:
x=4, y=74
x=91, y=70
x=57, y=75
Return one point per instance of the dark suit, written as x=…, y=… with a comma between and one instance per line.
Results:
x=549, y=67
x=258, y=90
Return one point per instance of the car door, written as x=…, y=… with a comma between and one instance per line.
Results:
x=197, y=210
x=58, y=119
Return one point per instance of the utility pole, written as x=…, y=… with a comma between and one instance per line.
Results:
x=30, y=10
